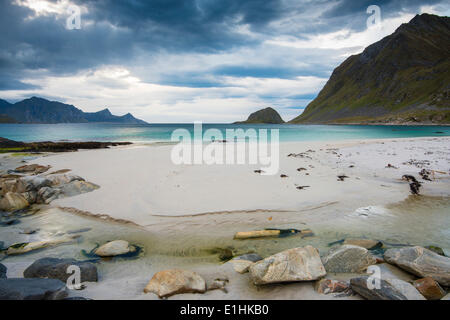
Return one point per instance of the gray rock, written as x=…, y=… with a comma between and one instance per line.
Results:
x=3, y=271
x=421, y=262
x=47, y=195
x=348, y=259
x=55, y=268
x=33, y=183
x=77, y=187
x=389, y=289
x=298, y=264
x=253, y=257
x=32, y=289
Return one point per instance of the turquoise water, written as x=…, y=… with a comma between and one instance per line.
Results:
x=163, y=132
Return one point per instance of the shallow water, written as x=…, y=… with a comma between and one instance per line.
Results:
x=162, y=132
x=202, y=239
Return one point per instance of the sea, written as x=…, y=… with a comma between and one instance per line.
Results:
x=163, y=132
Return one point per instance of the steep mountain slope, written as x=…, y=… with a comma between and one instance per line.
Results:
x=267, y=115
x=38, y=110
x=403, y=78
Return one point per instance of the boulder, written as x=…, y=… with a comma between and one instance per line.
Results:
x=34, y=183
x=64, y=179
x=389, y=289
x=421, y=262
x=13, y=201
x=326, y=286
x=114, y=248
x=32, y=169
x=348, y=259
x=55, y=268
x=429, y=288
x=365, y=243
x=47, y=195
x=170, y=282
x=77, y=187
x=3, y=271
x=30, y=196
x=242, y=263
x=298, y=264
x=32, y=289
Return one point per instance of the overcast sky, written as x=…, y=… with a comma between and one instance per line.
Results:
x=187, y=60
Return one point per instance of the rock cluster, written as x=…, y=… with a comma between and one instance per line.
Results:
x=20, y=191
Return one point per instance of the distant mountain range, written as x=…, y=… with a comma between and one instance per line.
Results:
x=39, y=110
x=267, y=115
x=403, y=78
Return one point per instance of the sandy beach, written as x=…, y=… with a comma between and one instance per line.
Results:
x=183, y=215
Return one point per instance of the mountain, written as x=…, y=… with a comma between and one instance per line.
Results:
x=267, y=115
x=403, y=78
x=39, y=110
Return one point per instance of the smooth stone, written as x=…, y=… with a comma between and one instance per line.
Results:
x=241, y=266
x=348, y=259
x=21, y=248
x=429, y=288
x=29, y=231
x=32, y=289
x=13, y=201
x=298, y=264
x=3, y=271
x=421, y=262
x=170, y=282
x=114, y=248
x=55, y=268
x=390, y=289
x=242, y=263
x=326, y=286
x=365, y=243
x=446, y=297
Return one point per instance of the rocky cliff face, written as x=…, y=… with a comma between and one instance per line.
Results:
x=38, y=110
x=403, y=78
x=267, y=115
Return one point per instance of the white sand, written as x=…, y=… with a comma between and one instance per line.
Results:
x=141, y=181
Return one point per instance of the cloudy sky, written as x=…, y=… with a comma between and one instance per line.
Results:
x=187, y=60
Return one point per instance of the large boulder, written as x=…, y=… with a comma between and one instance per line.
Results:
x=13, y=201
x=348, y=259
x=421, y=262
x=429, y=288
x=3, y=271
x=55, y=268
x=389, y=289
x=32, y=289
x=169, y=282
x=114, y=248
x=298, y=264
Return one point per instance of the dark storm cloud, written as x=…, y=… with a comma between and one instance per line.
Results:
x=116, y=31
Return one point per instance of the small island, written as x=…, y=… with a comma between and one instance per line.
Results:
x=266, y=116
